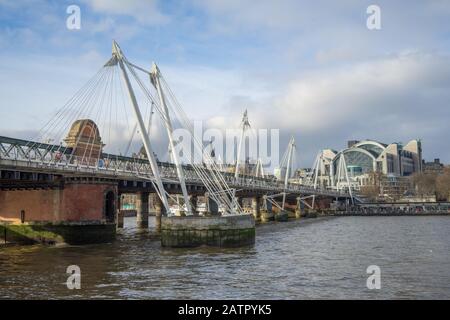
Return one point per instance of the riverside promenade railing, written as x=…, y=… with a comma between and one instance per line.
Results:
x=397, y=209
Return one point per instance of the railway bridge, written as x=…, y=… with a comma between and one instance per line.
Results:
x=70, y=192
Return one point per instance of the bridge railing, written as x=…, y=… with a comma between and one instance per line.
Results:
x=35, y=155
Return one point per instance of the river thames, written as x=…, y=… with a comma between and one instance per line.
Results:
x=324, y=258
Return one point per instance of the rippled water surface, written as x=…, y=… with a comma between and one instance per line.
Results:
x=316, y=258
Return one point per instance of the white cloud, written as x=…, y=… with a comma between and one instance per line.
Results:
x=359, y=94
x=145, y=12
x=207, y=92
x=314, y=70
x=395, y=98
x=275, y=15
x=392, y=99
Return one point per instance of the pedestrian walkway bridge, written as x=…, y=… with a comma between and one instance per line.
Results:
x=29, y=156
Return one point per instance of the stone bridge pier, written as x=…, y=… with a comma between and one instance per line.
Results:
x=142, y=209
x=160, y=210
x=298, y=208
x=256, y=208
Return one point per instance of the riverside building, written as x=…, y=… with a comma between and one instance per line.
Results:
x=364, y=158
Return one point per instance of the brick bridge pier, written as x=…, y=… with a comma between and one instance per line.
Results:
x=75, y=209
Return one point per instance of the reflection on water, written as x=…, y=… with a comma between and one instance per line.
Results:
x=318, y=258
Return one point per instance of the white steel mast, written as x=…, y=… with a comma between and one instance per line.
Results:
x=168, y=124
x=317, y=167
x=245, y=126
x=291, y=147
x=117, y=53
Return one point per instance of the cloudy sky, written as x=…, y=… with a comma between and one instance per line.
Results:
x=309, y=68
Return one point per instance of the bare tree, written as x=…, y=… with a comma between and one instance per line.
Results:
x=443, y=185
x=372, y=190
x=424, y=183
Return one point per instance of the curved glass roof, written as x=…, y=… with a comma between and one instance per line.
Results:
x=374, y=147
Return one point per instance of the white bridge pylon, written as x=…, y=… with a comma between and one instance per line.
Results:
x=245, y=125
x=211, y=177
x=119, y=58
x=340, y=182
x=287, y=163
x=155, y=77
x=290, y=162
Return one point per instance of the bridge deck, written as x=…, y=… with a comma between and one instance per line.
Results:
x=23, y=155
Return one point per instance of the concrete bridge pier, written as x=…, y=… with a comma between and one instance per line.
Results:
x=267, y=213
x=120, y=214
x=211, y=206
x=194, y=204
x=159, y=211
x=210, y=229
x=240, y=202
x=142, y=210
x=298, y=208
x=214, y=231
x=256, y=208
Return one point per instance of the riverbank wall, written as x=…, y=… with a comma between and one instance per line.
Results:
x=392, y=214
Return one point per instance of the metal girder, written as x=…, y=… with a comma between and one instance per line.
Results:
x=117, y=165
